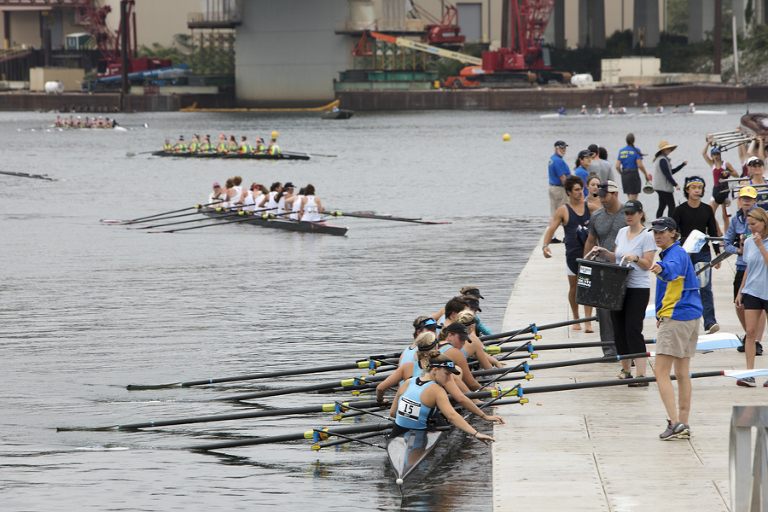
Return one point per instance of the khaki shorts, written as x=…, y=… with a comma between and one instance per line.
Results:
x=677, y=338
x=557, y=198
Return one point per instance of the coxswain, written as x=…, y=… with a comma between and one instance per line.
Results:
x=194, y=144
x=206, y=146
x=221, y=147
x=610, y=110
x=259, y=148
x=646, y=110
x=623, y=110
x=215, y=196
x=167, y=147
x=293, y=204
x=660, y=109
x=677, y=110
x=598, y=110
x=272, y=201
x=691, y=109
x=425, y=348
x=180, y=146
x=273, y=148
x=311, y=206
x=562, y=111
x=584, y=111
x=419, y=398
x=244, y=148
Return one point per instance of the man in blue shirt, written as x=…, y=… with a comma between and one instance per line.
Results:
x=558, y=172
x=629, y=165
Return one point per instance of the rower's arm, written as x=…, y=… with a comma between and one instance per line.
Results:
x=389, y=382
x=590, y=243
x=705, y=151
x=466, y=373
x=480, y=354
x=320, y=208
x=436, y=316
x=444, y=404
x=461, y=399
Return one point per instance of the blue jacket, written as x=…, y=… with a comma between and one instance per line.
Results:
x=557, y=168
x=677, y=289
x=737, y=227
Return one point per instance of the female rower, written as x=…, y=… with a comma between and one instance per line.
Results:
x=227, y=193
x=474, y=347
x=720, y=191
x=257, y=191
x=180, y=146
x=453, y=337
x=237, y=186
x=288, y=189
x=426, y=349
x=273, y=200
x=419, y=398
x=593, y=181
x=221, y=147
x=756, y=169
x=293, y=204
x=249, y=204
x=311, y=207
x=753, y=293
x=574, y=217
x=232, y=147
x=472, y=295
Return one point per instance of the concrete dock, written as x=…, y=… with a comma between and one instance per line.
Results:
x=599, y=449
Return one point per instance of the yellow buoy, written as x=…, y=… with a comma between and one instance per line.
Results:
x=274, y=134
x=506, y=137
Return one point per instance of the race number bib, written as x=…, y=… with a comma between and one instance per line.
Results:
x=409, y=409
x=311, y=209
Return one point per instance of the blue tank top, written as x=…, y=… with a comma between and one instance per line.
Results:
x=411, y=413
x=444, y=348
x=576, y=231
x=409, y=355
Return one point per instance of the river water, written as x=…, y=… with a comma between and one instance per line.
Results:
x=87, y=308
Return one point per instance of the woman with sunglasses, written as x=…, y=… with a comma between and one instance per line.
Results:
x=422, y=324
x=426, y=349
x=419, y=399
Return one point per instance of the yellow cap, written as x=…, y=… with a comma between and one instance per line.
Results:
x=274, y=134
x=748, y=192
x=506, y=137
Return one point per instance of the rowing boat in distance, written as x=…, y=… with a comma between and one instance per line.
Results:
x=233, y=156
x=280, y=223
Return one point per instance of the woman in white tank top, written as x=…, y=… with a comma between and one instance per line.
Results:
x=294, y=203
x=269, y=201
x=311, y=207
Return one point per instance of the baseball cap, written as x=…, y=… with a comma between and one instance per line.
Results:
x=593, y=148
x=714, y=150
x=748, y=192
x=448, y=365
x=606, y=187
x=457, y=328
x=753, y=161
x=561, y=144
x=663, y=224
x=584, y=153
x=216, y=185
x=633, y=206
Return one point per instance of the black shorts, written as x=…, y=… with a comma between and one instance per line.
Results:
x=721, y=197
x=751, y=302
x=630, y=181
x=737, y=279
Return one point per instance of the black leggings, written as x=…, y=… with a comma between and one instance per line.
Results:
x=628, y=323
x=666, y=200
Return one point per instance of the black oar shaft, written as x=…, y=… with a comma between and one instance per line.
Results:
x=374, y=427
x=205, y=226
x=383, y=217
x=201, y=219
x=538, y=328
x=560, y=364
x=348, y=384
x=356, y=438
x=197, y=206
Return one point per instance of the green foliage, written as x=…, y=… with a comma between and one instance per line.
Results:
x=158, y=51
x=677, y=17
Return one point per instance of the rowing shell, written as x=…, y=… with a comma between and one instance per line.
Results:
x=284, y=224
x=409, y=452
x=235, y=156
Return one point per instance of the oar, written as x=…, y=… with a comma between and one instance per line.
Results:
x=227, y=417
x=371, y=364
x=347, y=384
x=559, y=364
x=130, y=154
x=247, y=215
x=349, y=439
x=197, y=207
x=310, y=434
x=532, y=328
x=155, y=219
x=308, y=154
x=497, y=349
x=26, y=175
x=383, y=217
x=226, y=216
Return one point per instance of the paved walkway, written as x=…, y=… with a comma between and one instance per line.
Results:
x=598, y=449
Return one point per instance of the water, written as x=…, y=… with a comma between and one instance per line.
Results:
x=87, y=308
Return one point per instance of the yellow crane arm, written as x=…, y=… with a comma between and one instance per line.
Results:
x=401, y=41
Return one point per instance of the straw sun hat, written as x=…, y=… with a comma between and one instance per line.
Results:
x=662, y=146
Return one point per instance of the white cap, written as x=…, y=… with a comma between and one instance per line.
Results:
x=610, y=106
x=583, y=106
x=645, y=104
x=690, y=105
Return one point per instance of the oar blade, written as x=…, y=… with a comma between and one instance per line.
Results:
x=718, y=341
x=137, y=387
x=743, y=374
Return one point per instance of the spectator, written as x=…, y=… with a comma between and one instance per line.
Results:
x=665, y=184
x=600, y=164
x=604, y=226
x=637, y=247
x=593, y=182
x=558, y=172
x=629, y=165
x=574, y=217
x=733, y=242
x=753, y=295
x=691, y=215
x=678, y=310
x=583, y=161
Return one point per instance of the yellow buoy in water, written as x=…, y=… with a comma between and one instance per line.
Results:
x=506, y=137
x=274, y=134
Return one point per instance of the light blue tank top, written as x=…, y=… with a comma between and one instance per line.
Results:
x=444, y=348
x=411, y=413
x=409, y=355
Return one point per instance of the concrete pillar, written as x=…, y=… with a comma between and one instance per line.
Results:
x=592, y=23
x=558, y=20
x=646, y=16
x=7, y=29
x=701, y=19
x=738, y=13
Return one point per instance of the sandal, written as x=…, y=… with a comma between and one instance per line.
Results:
x=638, y=384
x=624, y=375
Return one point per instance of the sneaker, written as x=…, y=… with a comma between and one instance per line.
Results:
x=747, y=382
x=713, y=328
x=758, y=348
x=676, y=431
x=741, y=339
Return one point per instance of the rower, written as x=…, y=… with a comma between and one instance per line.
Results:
x=623, y=110
x=101, y=122
x=646, y=110
x=167, y=147
x=598, y=110
x=249, y=204
x=474, y=347
x=227, y=192
x=237, y=186
x=244, y=147
x=79, y=122
x=677, y=110
x=180, y=146
x=221, y=147
x=258, y=192
x=288, y=189
x=584, y=111
x=562, y=111
x=294, y=204
x=259, y=148
x=57, y=123
x=471, y=294
x=206, y=146
x=425, y=348
x=232, y=145
x=691, y=109
x=610, y=110
x=311, y=207
x=194, y=144
x=273, y=199
x=273, y=148
x=418, y=400
x=660, y=109
x=215, y=196
x=453, y=337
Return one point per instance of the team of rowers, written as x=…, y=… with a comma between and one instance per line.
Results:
x=278, y=200
x=435, y=366
x=225, y=145
x=94, y=122
x=623, y=110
